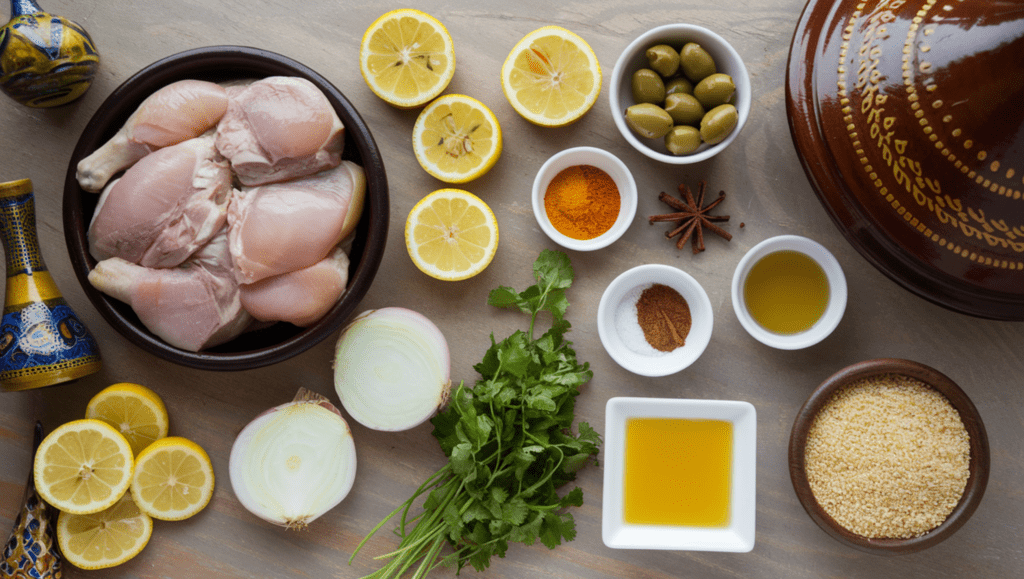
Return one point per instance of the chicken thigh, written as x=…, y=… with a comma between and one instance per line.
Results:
x=177, y=112
x=192, y=307
x=283, y=227
x=165, y=207
x=278, y=128
x=299, y=297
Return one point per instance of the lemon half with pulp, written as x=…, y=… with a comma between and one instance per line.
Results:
x=135, y=411
x=104, y=539
x=551, y=77
x=407, y=57
x=173, y=479
x=456, y=138
x=83, y=466
x=451, y=234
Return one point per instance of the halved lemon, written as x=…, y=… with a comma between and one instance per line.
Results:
x=173, y=479
x=134, y=410
x=551, y=77
x=456, y=138
x=83, y=466
x=104, y=539
x=451, y=234
x=407, y=57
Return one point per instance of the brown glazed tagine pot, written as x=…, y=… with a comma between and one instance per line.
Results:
x=908, y=117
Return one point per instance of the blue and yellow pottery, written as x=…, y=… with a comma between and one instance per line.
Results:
x=45, y=60
x=42, y=341
x=31, y=551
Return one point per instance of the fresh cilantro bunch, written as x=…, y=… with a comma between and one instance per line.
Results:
x=509, y=443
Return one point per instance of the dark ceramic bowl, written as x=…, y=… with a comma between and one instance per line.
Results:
x=979, y=463
x=906, y=117
x=279, y=341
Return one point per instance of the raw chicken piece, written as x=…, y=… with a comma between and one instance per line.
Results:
x=279, y=128
x=300, y=297
x=165, y=207
x=177, y=112
x=192, y=307
x=283, y=227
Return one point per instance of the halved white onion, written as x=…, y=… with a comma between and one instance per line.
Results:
x=392, y=369
x=294, y=462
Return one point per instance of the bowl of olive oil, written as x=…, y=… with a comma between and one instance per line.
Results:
x=679, y=474
x=789, y=292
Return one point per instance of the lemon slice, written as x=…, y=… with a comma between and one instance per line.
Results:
x=451, y=234
x=83, y=466
x=136, y=411
x=173, y=479
x=407, y=57
x=551, y=77
x=456, y=138
x=104, y=539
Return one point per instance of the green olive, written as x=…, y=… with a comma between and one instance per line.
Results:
x=678, y=84
x=716, y=89
x=684, y=109
x=648, y=120
x=696, y=62
x=718, y=123
x=682, y=140
x=664, y=59
x=648, y=87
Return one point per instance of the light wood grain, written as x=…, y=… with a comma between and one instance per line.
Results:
x=767, y=190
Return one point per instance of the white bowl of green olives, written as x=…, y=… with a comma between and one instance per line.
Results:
x=680, y=93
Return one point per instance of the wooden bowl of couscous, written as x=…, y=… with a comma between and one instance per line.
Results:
x=889, y=456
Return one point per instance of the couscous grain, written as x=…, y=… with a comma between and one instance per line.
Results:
x=888, y=457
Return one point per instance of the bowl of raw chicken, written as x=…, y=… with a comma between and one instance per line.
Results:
x=226, y=208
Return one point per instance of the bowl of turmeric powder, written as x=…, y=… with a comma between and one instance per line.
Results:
x=584, y=198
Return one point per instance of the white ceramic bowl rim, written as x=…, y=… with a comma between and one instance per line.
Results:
x=701, y=313
x=633, y=57
x=739, y=535
x=608, y=163
x=837, y=292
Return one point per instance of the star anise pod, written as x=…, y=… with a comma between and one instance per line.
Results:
x=692, y=217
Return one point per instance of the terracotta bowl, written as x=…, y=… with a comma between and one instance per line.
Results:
x=979, y=463
x=279, y=341
x=906, y=116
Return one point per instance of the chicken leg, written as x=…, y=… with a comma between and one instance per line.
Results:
x=192, y=307
x=177, y=112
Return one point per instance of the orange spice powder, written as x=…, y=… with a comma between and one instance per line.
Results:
x=582, y=202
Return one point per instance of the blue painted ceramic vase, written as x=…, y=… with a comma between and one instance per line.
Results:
x=42, y=341
x=45, y=60
x=31, y=551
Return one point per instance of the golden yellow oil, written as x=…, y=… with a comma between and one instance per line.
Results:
x=678, y=472
x=786, y=292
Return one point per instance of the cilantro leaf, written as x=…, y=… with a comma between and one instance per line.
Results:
x=509, y=443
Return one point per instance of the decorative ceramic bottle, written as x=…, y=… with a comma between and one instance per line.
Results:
x=31, y=551
x=42, y=341
x=45, y=60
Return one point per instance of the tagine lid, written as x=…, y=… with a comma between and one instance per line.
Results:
x=907, y=117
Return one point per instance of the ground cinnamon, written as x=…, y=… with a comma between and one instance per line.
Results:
x=664, y=316
x=582, y=202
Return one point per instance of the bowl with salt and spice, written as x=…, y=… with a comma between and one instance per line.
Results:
x=584, y=198
x=889, y=456
x=655, y=320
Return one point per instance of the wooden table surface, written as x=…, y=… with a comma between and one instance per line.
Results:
x=766, y=188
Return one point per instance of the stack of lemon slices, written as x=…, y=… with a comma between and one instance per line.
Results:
x=113, y=472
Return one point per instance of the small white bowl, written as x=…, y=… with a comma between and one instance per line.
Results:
x=634, y=57
x=621, y=334
x=608, y=163
x=836, y=287
x=738, y=535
